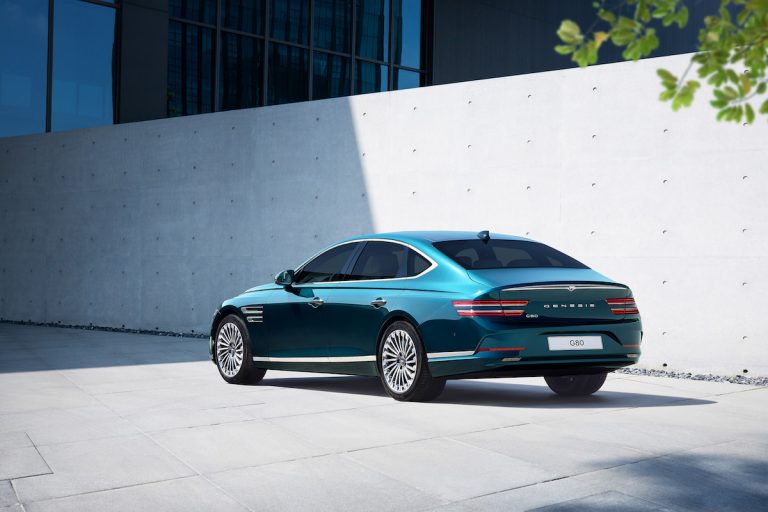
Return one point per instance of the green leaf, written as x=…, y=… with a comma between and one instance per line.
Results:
x=565, y=49
x=569, y=32
x=682, y=17
x=666, y=76
x=667, y=95
x=761, y=88
x=764, y=107
x=721, y=115
x=749, y=112
x=607, y=16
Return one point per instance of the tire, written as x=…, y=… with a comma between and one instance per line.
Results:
x=232, y=352
x=576, y=385
x=407, y=378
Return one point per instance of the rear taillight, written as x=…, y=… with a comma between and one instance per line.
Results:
x=490, y=307
x=623, y=306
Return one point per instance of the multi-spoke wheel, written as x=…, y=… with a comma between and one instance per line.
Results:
x=403, y=365
x=576, y=385
x=233, y=354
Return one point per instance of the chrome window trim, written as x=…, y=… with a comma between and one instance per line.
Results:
x=433, y=264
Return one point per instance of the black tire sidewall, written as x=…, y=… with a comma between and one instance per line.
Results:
x=581, y=385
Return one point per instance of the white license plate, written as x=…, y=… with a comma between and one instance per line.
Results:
x=575, y=342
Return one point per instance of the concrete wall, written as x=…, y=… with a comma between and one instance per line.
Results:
x=151, y=224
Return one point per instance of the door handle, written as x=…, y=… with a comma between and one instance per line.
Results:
x=378, y=302
x=316, y=302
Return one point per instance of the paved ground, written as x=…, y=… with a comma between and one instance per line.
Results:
x=104, y=421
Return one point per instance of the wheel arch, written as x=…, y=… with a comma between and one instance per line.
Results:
x=391, y=318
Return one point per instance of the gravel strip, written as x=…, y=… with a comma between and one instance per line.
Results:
x=733, y=379
x=109, y=329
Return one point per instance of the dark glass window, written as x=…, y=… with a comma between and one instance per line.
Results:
x=370, y=77
x=327, y=266
x=333, y=25
x=190, y=69
x=84, y=65
x=406, y=37
x=241, y=71
x=288, y=74
x=289, y=21
x=387, y=260
x=23, y=50
x=404, y=79
x=478, y=254
x=203, y=11
x=243, y=15
x=372, y=36
x=331, y=76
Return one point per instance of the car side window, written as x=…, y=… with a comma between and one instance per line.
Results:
x=327, y=266
x=387, y=260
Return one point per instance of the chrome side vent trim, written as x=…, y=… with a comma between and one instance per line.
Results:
x=253, y=314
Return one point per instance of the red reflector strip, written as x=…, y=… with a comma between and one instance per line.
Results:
x=632, y=346
x=501, y=349
x=632, y=311
x=619, y=302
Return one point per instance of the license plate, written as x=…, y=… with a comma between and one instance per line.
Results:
x=575, y=342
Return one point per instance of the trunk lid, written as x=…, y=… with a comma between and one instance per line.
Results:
x=559, y=295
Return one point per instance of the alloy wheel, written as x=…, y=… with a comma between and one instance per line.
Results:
x=399, y=361
x=229, y=349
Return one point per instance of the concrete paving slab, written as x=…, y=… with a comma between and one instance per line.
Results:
x=182, y=495
x=19, y=457
x=326, y=483
x=610, y=500
x=450, y=469
x=102, y=464
x=216, y=448
x=129, y=422
x=7, y=494
x=553, y=449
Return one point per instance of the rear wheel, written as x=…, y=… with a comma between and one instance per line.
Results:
x=403, y=365
x=233, y=352
x=576, y=385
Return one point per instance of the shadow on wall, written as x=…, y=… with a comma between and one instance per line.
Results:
x=151, y=225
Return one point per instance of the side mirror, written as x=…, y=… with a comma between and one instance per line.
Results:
x=285, y=278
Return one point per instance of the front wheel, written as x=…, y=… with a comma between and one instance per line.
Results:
x=403, y=365
x=233, y=352
x=576, y=385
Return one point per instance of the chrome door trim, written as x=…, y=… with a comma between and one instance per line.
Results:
x=342, y=359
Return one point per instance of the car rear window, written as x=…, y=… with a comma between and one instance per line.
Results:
x=484, y=254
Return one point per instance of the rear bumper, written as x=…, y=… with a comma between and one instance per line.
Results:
x=525, y=352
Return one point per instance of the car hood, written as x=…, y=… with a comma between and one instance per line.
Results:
x=267, y=286
x=515, y=276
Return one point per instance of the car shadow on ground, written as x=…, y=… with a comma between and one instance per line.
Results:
x=489, y=393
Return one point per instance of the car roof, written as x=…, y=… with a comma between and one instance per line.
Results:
x=435, y=236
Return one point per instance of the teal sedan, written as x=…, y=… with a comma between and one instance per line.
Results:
x=417, y=308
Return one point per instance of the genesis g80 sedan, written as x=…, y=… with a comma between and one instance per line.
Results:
x=417, y=308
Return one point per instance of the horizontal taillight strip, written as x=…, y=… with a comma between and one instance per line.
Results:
x=500, y=349
x=619, y=302
x=625, y=311
x=490, y=312
x=498, y=308
x=502, y=303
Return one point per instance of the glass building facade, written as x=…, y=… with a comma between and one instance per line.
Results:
x=229, y=54
x=67, y=64
x=58, y=67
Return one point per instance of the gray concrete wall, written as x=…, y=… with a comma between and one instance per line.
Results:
x=150, y=225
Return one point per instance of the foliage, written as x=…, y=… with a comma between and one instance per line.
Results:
x=732, y=56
